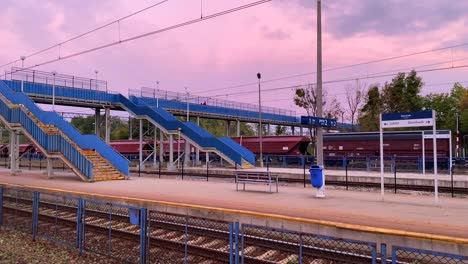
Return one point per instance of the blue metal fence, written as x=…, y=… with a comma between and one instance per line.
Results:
x=414, y=255
x=131, y=234
x=299, y=247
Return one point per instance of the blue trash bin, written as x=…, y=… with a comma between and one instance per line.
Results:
x=316, y=176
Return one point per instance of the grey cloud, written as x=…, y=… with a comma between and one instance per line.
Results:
x=392, y=17
x=277, y=34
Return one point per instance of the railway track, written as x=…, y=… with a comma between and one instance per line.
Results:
x=207, y=241
x=389, y=186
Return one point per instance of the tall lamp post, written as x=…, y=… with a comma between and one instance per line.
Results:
x=188, y=109
x=96, y=72
x=22, y=61
x=53, y=91
x=260, y=132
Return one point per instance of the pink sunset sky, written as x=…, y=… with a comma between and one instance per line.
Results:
x=277, y=39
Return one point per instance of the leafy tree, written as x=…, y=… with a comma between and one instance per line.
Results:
x=84, y=124
x=445, y=106
x=402, y=94
x=307, y=98
x=370, y=112
x=218, y=128
x=280, y=130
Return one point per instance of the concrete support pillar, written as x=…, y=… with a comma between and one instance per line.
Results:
x=238, y=128
x=161, y=146
x=301, y=131
x=228, y=128
x=170, y=165
x=293, y=130
x=130, y=128
x=14, y=152
x=140, y=148
x=50, y=168
x=155, y=148
x=187, y=153
x=107, y=125
x=268, y=129
x=197, y=151
x=207, y=158
x=97, y=122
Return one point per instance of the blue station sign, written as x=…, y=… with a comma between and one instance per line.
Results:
x=318, y=121
x=407, y=119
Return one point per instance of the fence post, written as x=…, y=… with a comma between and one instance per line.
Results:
x=143, y=233
x=394, y=255
x=451, y=179
x=1, y=205
x=231, y=248
x=186, y=240
x=383, y=253
x=35, y=214
x=303, y=167
x=394, y=173
x=207, y=171
x=159, y=169
x=346, y=171
x=79, y=225
x=182, y=169
x=368, y=164
x=300, y=249
x=236, y=225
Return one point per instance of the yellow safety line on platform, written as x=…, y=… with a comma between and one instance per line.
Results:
x=353, y=227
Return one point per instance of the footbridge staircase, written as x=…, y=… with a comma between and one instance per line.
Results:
x=72, y=95
x=87, y=155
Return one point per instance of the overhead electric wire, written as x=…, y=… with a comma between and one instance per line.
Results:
x=88, y=32
x=341, y=80
x=341, y=67
x=189, y=22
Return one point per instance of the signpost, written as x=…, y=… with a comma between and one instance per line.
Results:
x=441, y=134
x=318, y=121
x=313, y=121
x=412, y=119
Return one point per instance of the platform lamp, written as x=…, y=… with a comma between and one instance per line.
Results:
x=188, y=108
x=260, y=132
x=22, y=61
x=96, y=72
x=53, y=91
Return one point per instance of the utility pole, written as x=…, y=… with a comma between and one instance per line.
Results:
x=260, y=130
x=319, y=83
x=457, y=146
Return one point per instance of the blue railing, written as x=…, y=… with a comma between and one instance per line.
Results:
x=52, y=118
x=51, y=143
x=222, y=111
x=139, y=108
x=246, y=154
x=201, y=136
x=135, y=234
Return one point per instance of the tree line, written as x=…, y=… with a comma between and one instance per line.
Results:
x=364, y=104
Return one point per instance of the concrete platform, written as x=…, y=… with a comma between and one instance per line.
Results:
x=354, y=176
x=403, y=212
x=402, y=220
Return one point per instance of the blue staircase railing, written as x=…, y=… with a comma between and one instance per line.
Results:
x=140, y=108
x=50, y=143
x=180, y=105
x=85, y=142
x=204, y=138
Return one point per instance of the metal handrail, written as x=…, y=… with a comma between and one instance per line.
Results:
x=200, y=100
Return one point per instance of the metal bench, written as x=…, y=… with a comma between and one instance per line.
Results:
x=256, y=177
